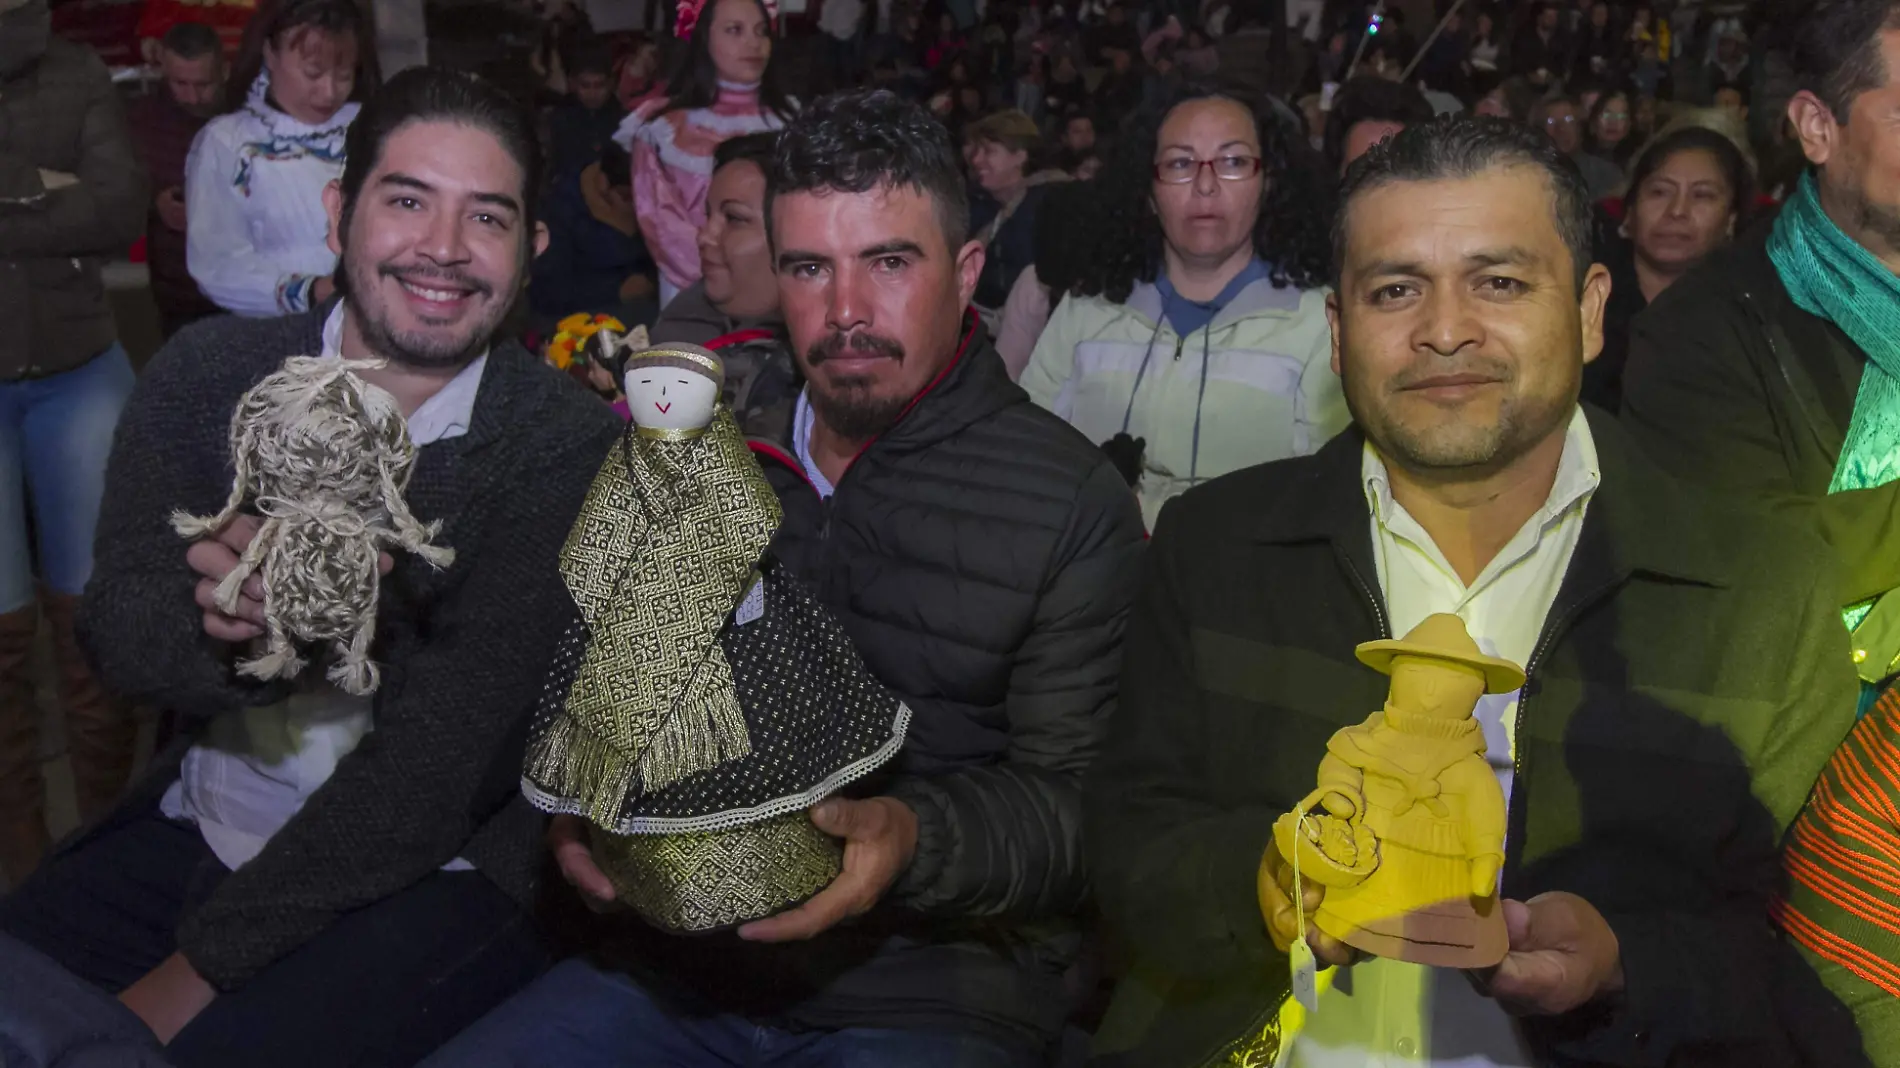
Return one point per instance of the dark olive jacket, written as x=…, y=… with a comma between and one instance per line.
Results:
x=1731, y=386
x=61, y=115
x=1689, y=683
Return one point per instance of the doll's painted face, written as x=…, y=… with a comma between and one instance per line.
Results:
x=669, y=398
x=1440, y=689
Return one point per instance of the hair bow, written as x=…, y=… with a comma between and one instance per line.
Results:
x=686, y=15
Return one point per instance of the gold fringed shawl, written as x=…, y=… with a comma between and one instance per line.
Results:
x=661, y=552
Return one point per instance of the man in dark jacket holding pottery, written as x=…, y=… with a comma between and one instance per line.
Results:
x=1686, y=675
x=981, y=557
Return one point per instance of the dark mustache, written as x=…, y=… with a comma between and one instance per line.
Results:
x=1439, y=367
x=835, y=344
x=436, y=278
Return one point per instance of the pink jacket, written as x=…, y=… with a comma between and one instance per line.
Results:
x=672, y=166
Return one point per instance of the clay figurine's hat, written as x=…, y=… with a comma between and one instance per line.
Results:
x=1443, y=637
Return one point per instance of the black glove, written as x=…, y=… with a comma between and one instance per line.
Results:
x=1125, y=453
x=606, y=350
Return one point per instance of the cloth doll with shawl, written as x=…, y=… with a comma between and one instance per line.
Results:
x=701, y=700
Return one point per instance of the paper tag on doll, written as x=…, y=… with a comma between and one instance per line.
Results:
x=752, y=608
x=1305, y=974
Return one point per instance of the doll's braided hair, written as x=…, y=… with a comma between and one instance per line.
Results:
x=324, y=457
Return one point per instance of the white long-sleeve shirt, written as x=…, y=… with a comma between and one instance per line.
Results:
x=255, y=236
x=1388, y=1013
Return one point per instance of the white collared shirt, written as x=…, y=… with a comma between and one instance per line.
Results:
x=1390, y=1014
x=802, y=419
x=255, y=768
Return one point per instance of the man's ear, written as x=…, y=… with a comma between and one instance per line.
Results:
x=1596, y=295
x=1816, y=127
x=1332, y=320
x=333, y=207
x=540, y=238
x=969, y=269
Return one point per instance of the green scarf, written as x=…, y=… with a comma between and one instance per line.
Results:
x=1831, y=275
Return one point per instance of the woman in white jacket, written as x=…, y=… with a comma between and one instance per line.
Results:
x=1196, y=341
x=256, y=236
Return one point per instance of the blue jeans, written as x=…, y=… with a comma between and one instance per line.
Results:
x=579, y=1016
x=55, y=435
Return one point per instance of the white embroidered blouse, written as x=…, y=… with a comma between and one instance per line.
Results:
x=256, y=232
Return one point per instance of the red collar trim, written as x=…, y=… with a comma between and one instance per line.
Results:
x=739, y=337
x=773, y=452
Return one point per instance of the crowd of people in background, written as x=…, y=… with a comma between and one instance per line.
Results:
x=1051, y=281
x=1653, y=105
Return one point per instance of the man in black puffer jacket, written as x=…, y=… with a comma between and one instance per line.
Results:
x=982, y=557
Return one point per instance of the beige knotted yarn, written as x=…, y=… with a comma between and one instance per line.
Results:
x=324, y=457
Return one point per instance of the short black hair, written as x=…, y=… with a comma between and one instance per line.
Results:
x=192, y=40
x=1837, y=50
x=1065, y=228
x=1554, y=99
x=855, y=141
x=755, y=148
x=432, y=94
x=1370, y=99
x=1455, y=147
x=590, y=55
x=616, y=165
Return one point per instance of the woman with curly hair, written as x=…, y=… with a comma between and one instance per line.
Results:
x=1194, y=341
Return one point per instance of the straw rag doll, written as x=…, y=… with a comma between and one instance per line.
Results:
x=701, y=700
x=324, y=457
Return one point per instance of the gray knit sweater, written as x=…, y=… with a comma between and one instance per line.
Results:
x=464, y=650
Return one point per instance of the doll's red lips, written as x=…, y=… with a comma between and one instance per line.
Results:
x=664, y=408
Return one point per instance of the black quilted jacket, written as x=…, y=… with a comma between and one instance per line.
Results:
x=982, y=555
x=464, y=651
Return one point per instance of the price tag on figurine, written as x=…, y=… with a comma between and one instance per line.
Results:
x=1299, y=955
x=1305, y=974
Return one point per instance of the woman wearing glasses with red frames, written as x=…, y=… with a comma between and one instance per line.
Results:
x=1195, y=342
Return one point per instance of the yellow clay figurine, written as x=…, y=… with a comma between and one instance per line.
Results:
x=1406, y=829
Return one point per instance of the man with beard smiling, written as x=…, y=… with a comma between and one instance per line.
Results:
x=981, y=556
x=308, y=878
x=1686, y=674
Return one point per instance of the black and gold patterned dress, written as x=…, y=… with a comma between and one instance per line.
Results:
x=701, y=699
